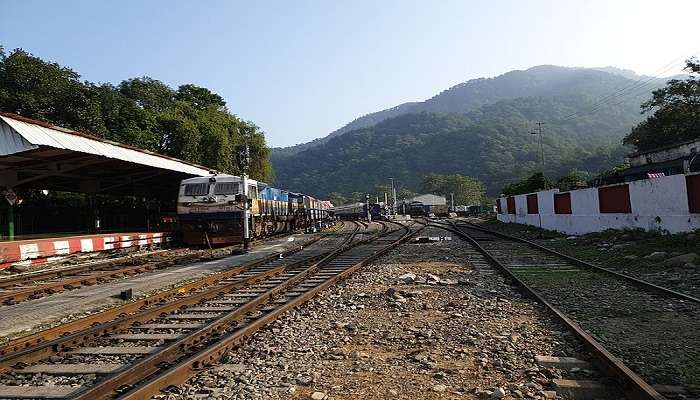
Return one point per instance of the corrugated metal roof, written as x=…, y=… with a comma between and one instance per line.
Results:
x=11, y=142
x=17, y=136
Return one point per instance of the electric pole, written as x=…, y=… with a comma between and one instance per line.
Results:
x=367, y=206
x=539, y=131
x=540, y=144
x=243, y=160
x=393, y=197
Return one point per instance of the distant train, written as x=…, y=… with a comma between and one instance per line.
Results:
x=472, y=210
x=357, y=211
x=418, y=209
x=211, y=210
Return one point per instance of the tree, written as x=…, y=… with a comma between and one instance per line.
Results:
x=338, y=199
x=148, y=93
x=404, y=194
x=676, y=113
x=574, y=180
x=534, y=183
x=199, y=97
x=34, y=88
x=466, y=190
x=191, y=123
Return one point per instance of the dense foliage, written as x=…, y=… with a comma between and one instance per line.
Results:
x=537, y=182
x=676, y=113
x=533, y=183
x=190, y=123
x=465, y=189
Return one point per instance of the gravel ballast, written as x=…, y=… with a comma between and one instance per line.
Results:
x=422, y=322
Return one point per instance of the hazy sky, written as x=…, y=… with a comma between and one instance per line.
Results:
x=301, y=69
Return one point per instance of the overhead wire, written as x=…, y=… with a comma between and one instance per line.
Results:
x=625, y=91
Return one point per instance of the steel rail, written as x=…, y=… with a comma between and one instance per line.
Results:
x=54, y=337
x=31, y=276
x=186, y=367
x=585, y=264
x=151, y=364
x=632, y=384
x=13, y=296
x=173, y=351
x=103, y=270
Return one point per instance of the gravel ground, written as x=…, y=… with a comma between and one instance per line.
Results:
x=457, y=333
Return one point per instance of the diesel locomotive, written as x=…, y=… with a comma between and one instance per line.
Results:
x=211, y=210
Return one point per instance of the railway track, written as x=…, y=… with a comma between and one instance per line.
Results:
x=33, y=285
x=627, y=324
x=163, y=343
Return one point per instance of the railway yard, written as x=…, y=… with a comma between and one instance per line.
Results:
x=451, y=308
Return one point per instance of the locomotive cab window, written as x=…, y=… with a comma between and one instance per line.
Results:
x=226, y=188
x=252, y=192
x=196, y=189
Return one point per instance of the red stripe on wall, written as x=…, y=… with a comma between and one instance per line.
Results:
x=532, y=206
x=511, y=205
x=614, y=199
x=562, y=203
x=692, y=184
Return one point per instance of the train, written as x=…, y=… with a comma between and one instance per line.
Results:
x=467, y=211
x=418, y=209
x=358, y=211
x=211, y=210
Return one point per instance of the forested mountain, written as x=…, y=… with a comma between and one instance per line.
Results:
x=492, y=142
x=544, y=80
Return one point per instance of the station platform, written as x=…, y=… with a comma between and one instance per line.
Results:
x=29, y=252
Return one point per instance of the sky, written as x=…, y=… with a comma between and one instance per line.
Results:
x=300, y=69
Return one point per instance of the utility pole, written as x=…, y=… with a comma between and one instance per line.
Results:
x=452, y=200
x=393, y=197
x=369, y=215
x=386, y=204
x=540, y=144
x=243, y=158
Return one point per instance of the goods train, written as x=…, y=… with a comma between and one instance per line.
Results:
x=211, y=210
x=357, y=211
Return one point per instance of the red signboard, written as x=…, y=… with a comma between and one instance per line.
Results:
x=532, y=206
x=614, y=199
x=562, y=203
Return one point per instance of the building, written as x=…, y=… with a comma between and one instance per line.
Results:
x=427, y=200
x=679, y=158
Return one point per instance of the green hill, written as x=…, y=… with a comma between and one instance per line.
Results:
x=479, y=128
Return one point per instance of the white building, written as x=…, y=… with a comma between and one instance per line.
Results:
x=427, y=200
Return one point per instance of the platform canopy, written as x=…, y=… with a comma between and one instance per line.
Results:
x=37, y=155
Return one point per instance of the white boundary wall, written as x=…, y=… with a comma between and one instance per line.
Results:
x=657, y=204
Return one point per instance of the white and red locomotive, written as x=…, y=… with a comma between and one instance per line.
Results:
x=211, y=210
